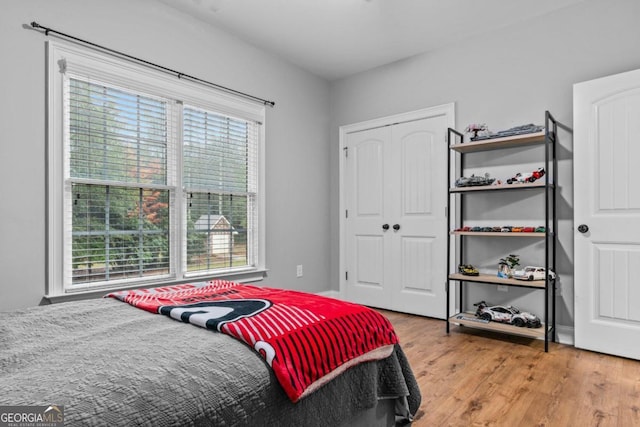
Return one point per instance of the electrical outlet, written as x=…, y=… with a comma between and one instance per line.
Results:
x=299, y=270
x=503, y=288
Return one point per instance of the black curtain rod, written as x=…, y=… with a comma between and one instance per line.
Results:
x=47, y=30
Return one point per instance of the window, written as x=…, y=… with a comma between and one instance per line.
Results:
x=220, y=188
x=151, y=179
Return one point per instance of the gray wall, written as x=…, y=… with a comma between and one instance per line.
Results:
x=506, y=78
x=297, y=130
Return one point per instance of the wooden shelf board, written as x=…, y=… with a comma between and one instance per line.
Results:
x=500, y=187
x=498, y=327
x=497, y=234
x=496, y=143
x=492, y=279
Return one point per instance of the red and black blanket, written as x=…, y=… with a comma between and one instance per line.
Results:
x=307, y=339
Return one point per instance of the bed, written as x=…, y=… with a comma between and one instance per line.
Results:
x=110, y=363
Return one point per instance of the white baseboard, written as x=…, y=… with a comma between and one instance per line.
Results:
x=330, y=294
x=565, y=334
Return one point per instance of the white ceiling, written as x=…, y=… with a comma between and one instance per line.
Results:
x=337, y=38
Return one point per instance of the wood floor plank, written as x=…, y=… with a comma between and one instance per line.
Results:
x=477, y=378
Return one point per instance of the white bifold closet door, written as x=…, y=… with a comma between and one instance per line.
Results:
x=394, y=184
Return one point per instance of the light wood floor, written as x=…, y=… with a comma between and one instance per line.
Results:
x=475, y=378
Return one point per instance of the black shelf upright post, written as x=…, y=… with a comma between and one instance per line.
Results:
x=551, y=225
x=452, y=137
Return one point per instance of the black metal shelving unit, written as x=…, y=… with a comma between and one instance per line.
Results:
x=547, y=286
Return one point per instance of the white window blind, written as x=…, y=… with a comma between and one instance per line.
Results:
x=152, y=179
x=118, y=174
x=220, y=182
x=115, y=135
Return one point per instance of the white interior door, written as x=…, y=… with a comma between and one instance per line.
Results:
x=395, y=191
x=607, y=202
x=417, y=204
x=367, y=244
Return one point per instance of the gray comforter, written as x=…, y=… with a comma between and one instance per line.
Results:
x=112, y=364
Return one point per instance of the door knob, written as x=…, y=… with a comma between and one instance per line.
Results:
x=385, y=227
x=583, y=228
x=396, y=227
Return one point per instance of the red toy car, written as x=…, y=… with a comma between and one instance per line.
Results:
x=527, y=177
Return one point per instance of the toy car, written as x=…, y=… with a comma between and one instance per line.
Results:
x=528, y=229
x=476, y=128
x=532, y=273
x=540, y=229
x=527, y=177
x=517, y=130
x=516, y=229
x=474, y=181
x=468, y=270
x=506, y=228
x=507, y=314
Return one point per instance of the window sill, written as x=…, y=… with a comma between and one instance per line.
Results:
x=242, y=277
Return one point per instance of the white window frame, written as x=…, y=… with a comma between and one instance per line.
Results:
x=64, y=60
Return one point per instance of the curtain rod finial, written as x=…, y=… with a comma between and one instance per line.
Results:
x=37, y=26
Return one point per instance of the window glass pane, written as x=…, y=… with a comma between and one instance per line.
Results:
x=216, y=231
x=116, y=135
x=119, y=233
x=215, y=152
x=219, y=176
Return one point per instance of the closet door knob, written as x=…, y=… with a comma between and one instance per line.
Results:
x=583, y=228
x=396, y=227
x=385, y=227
